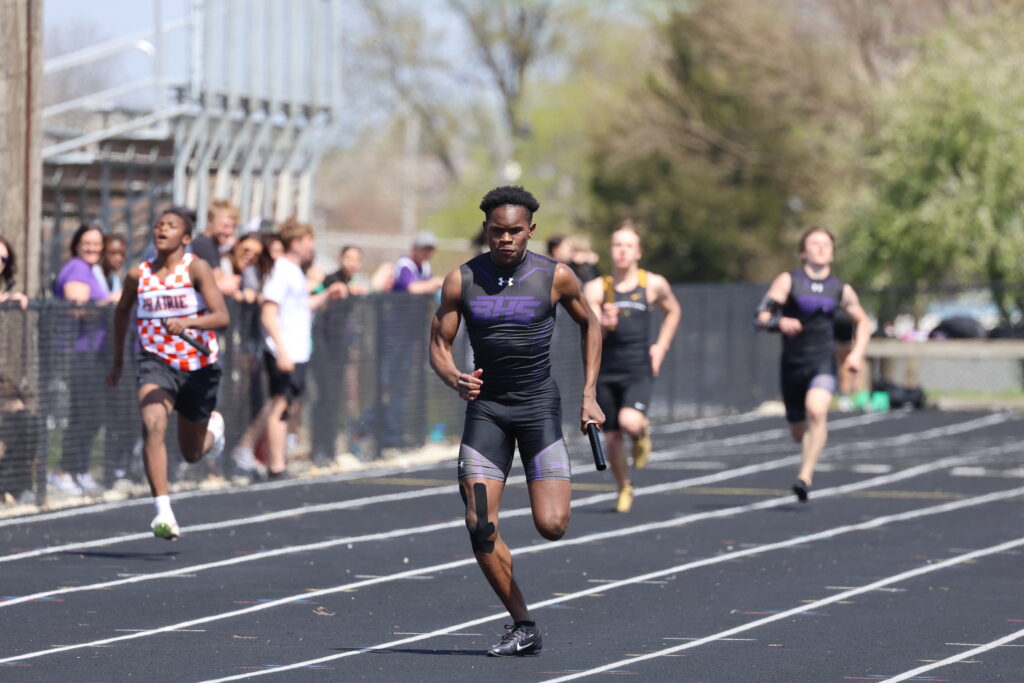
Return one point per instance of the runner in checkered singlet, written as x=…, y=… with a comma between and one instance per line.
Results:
x=177, y=296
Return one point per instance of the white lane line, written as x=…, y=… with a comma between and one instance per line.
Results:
x=870, y=468
x=250, y=488
x=77, y=511
x=386, y=535
x=756, y=550
x=783, y=432
x=1009, y=638
x=978, y=644
x=705, y=422
x=255, y=519
x=397, y=533
x=808, y=607
x=600, y=536
x=295, y=512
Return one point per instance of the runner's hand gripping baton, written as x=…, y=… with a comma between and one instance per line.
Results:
x=595, y=446
x=191, y=341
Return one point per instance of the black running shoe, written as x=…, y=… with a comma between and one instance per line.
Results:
x=518, y=640
x=800, y=488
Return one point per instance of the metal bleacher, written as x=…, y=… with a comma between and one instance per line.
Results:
x=241, y=100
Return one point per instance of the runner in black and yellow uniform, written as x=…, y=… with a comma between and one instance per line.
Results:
x=629, y=363
x=801, y=304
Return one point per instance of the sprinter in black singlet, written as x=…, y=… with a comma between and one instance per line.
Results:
x=801, y=305
x=629, y=362
x=508, y=297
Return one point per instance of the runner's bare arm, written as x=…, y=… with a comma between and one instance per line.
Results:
x=443, y=329
x=666, y=300
x=569, y=294
x=862, y=330
x=593, y=292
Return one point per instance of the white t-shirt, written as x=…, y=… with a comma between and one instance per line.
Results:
x=286, y=286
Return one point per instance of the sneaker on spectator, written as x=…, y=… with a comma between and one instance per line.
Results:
x=64, y=483
x=216, y=427
x=246, y=464
x=87, y=483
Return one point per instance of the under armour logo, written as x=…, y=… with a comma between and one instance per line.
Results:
x=503, y=281
x=817, y=287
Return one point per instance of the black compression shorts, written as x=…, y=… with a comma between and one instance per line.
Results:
x=799, y=376
x=618, y=390
x=530, y=419
x=194, y=393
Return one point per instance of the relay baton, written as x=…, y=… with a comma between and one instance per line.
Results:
x=595, y=446
x=191, y=341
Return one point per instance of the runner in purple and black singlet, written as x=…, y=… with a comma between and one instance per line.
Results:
x=801, y=305
x=507, y=298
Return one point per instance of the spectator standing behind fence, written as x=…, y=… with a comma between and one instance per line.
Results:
x=253, y=277
x=241, y=258
x=78, y=284
x=349, y=273
x=19, y=436
x=115, y=248
x=412, y=272
x=560, y=249
x=287, y=318
x=8, y=269
x=337, y=333
x=118, y=422
x=216, y=240
x=575, y=252
x=15, y=430
x=584, y=259
x=402, y=349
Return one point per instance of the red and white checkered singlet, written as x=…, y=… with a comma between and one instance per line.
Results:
x=172, y=297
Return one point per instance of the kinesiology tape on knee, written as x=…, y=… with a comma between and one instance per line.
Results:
x=480, y=534
x=772, y=307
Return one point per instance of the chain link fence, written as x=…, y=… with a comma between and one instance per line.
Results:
x=370, y=387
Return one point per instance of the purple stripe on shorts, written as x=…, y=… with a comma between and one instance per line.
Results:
x=826, y=382
x=538, y=466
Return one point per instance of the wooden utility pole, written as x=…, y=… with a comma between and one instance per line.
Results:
x=21, y=70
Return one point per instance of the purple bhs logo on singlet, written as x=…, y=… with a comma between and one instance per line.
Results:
x=518, y=309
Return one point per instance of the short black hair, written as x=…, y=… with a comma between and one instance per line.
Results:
x=187, y=215
x=506, y=195
x=554, y=243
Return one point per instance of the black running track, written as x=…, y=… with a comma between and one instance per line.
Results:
x=906, y=564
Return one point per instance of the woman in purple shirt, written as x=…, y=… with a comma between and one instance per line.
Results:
x=78, y=283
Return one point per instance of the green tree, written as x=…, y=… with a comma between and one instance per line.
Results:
x=725, y=156
x=945, y=199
